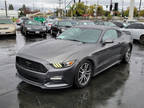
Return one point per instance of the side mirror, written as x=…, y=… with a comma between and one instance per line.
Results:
x=107, y=41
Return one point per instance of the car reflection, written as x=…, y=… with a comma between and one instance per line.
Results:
x=101, y=89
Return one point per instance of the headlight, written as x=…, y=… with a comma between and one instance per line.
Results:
x=64, y=64
x=28, y=28
x=44, y=29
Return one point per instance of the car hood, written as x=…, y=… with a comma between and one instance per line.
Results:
x=7, y=26
x=34, y=26
x=54, y=50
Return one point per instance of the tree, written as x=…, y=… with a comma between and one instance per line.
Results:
x=141, y=13
x=100, y=11
x=24, y=10
x=91, y=10
x=11, y=7
x=77, y=9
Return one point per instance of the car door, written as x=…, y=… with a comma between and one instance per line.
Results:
x=110, y=52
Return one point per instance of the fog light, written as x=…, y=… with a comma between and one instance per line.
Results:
x=56, y=78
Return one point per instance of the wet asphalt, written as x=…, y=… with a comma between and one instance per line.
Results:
x=121, y=86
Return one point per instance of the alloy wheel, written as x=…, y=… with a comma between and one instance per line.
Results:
x=142, y=39
x=128, y=55
x=84, y=74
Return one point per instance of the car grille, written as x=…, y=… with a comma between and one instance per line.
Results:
x=31, y=65
x=30, y=77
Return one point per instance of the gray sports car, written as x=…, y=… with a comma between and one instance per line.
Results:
x=74, y=57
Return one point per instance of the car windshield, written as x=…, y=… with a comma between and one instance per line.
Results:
x=65, y=23
x=81, y=34
x=33, y=23
x=5, y=21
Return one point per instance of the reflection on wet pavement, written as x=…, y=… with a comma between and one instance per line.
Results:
x=10, y=45
x=97, y=94
x=118, y=87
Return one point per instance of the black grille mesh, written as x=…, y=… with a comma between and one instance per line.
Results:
x=31, y=65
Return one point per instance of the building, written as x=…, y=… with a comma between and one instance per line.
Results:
x=11, y=13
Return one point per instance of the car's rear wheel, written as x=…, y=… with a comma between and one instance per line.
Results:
x=83, y=76
x=25, y=33
x=58, y=33
x=142, y=39
x=127, y=55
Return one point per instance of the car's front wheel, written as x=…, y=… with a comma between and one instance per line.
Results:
x=142, y=39
x=83, y=75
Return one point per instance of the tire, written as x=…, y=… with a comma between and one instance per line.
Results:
x=83, y=74
x=44, y=36
x=142, y=39
x=51, y=32
x=58, y=33
x=127, y=55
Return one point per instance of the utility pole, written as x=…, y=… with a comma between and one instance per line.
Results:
x=33, y=5
x=111, y=5
x=131, y=12
x=140, y=5
x=65, y=8
x=122, y=8
x=96, y=7
x=6, y=7
x=59, y=10
x=74, y=1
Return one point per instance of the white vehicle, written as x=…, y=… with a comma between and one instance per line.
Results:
x=137, y=31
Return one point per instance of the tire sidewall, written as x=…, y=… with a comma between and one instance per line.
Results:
x=76, y=83
x=125, y=60
x=142, y=42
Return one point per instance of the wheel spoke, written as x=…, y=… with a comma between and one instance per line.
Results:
x=84, y=73
x=86, y=66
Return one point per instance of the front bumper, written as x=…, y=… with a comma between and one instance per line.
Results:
x=8, y=32
x=44, y=80
x=30, y=32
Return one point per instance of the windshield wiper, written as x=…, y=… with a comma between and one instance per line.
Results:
x=76, y=40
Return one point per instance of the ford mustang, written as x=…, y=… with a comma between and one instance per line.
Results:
x=74, y=57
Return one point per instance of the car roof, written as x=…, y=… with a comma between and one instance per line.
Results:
x=84, y=21
x=100, y=27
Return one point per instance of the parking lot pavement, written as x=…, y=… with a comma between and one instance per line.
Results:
x=118, y=87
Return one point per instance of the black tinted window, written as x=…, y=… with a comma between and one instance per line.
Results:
x=136, y=26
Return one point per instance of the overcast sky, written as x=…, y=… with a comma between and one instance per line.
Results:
x=46, y=4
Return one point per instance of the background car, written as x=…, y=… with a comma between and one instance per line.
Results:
x=85, y=22
x=21, y=20
x=31, y=27
x=60, y=26
x=137, y=31
x=7, y=27
x=120, y=24
x=48, y=24
x=106, y=23
x=74, y=57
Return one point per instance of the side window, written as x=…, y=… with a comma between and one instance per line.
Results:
x=55, y=23
x=110, y=34
x=140, y=26
x=132, y=26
